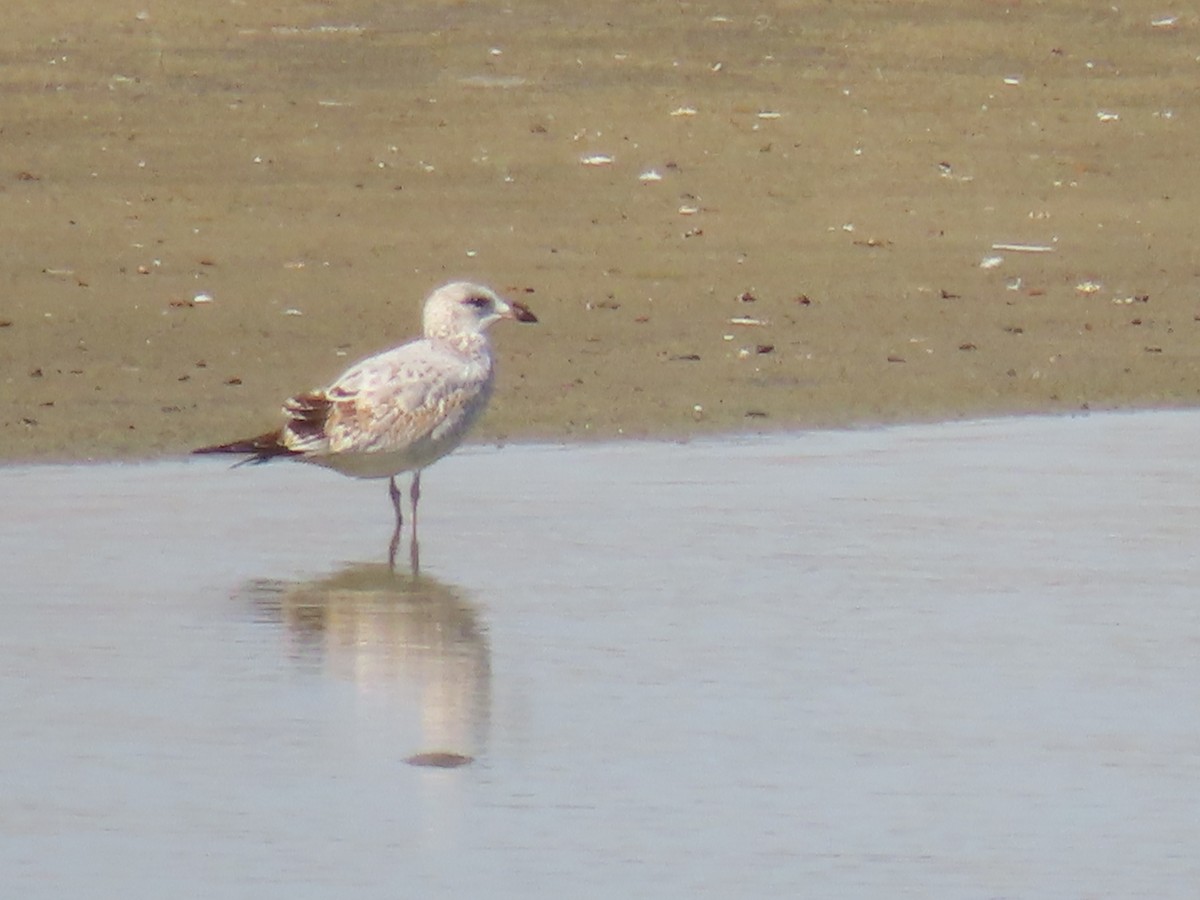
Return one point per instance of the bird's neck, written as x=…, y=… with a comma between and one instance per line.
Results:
x=465, y=342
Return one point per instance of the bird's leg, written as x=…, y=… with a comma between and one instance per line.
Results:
x=414, y=549
x=394, y=493
x=393, y=546
x=414, y=494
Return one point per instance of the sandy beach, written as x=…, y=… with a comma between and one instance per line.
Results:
x=789, y=215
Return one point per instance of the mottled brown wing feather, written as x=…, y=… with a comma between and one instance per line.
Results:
x=372, y=424
x=307, y=415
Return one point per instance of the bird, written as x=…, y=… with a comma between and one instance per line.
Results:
x=400, y=410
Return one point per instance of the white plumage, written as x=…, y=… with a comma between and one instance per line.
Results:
x=400, y=410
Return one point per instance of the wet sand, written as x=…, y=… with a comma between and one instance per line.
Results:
x=205, y=210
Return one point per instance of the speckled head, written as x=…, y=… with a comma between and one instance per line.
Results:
x=465, y=308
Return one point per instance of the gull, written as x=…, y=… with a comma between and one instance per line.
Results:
x=402, y=409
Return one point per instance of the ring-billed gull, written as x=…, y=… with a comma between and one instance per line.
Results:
x=401, y=410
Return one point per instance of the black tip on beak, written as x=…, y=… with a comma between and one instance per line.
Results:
x=522, y=313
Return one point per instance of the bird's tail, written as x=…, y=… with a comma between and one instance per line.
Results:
x=259, y=449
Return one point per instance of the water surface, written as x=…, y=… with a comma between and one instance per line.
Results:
x=955, y=660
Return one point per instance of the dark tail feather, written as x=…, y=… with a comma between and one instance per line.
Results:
x=260, y=449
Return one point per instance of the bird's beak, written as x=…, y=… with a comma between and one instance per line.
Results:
x=520, y=312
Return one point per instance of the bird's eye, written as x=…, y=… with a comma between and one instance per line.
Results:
x=478, y=302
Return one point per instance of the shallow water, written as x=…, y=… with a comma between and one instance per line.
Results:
x=953, y=660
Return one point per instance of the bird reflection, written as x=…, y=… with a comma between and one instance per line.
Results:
x=371, y=625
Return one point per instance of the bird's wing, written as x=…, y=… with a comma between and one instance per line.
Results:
x=387, y=402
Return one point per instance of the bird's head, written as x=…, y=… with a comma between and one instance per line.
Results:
x=465, y=308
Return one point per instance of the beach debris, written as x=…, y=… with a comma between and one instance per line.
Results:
x=683, y=112
x=596, y=159
x=650, y=176
x=1024, y=248
x=1088, y=287
x=1105, y=115
x=947, y=171
x=990, y=262
x=492, y=81
x=298, y=31
x=747, y=321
